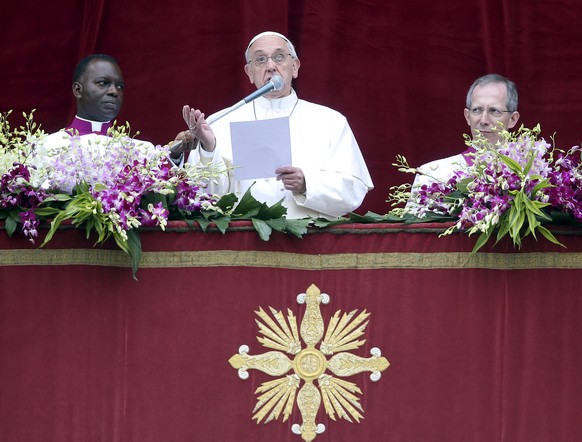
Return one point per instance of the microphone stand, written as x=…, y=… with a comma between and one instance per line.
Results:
x=275, y=84
x=224, y=112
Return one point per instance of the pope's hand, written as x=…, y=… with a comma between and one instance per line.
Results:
x=292, y=179
x=199, y=128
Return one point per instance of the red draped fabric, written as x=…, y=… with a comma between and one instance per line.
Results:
x=399, y=70
x=482, y=347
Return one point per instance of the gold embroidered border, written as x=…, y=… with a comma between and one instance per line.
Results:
x=294, y=261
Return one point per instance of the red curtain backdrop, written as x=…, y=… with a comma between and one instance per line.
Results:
x=399, y=70
x=482, y=349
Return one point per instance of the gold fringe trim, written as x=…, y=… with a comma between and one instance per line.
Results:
x=295, y=261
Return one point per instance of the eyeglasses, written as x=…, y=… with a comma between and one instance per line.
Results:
x=278, y=58
x=492, y=111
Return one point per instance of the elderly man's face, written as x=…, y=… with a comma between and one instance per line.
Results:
x=486, y=100
x=288, y=68
x=99, y=92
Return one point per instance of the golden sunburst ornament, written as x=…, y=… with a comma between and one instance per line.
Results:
x=277, y=397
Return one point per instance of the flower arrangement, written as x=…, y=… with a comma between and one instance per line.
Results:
x=512, y=188
x=112, y=186
x=18, y=197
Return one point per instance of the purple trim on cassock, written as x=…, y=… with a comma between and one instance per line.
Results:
x=85, y=127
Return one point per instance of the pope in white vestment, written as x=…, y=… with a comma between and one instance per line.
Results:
x=327, y=176
x=322, y=145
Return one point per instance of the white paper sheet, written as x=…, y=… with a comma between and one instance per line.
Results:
x=260, y=147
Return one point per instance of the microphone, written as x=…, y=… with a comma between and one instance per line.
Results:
x=274, y=84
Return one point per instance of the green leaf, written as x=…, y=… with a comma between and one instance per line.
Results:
x=246, y=215
x=222, y=223
x=516, y=215
x=227, y=202
x=262, y=229
x=279, y=224
x=512, y=164
x=190, y=222
x=297, y=227
x=503, y=229
x=368, y=217
x=535, y=207
x=89, y=227
x=121, y=242
x=275, y=211
x=324, y=223
x=59, y=197
x=11, y=223
x=549, y=236
x=532, y=224
x=247, y=204
x=482, y=240
x=515, y=228
x=204, y=223
x=527, y=167
x=56, y=222
x=134, y=249
x=47, y=211
x=433, y=217
x=539, y=186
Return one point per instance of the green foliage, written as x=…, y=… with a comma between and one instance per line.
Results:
x=263, y=217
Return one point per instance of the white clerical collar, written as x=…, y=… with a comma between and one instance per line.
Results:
x=278, y=103
x=95, y=125
x=276, y=107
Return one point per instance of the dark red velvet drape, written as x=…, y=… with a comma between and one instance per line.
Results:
x=399, y=70
x=482, y=349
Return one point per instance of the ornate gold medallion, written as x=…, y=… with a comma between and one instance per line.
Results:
x=309, y=364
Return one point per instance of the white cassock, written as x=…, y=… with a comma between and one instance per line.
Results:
x=322, y=145
x=436, y=171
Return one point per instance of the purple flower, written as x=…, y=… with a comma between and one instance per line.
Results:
x=520, y=165
x=156, y=215
x=16, y=192
x=29, y=224
x=189, y=198
x=565, y=195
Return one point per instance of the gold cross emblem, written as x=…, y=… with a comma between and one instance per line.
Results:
x=277, y=397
